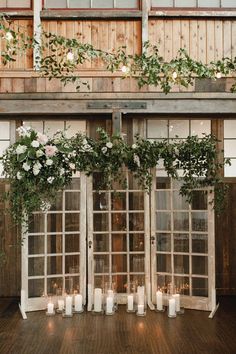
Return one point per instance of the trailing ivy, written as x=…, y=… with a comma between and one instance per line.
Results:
x=65, y=55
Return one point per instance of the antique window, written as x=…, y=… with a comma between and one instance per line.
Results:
x=193, y=3
x=15, y=4
x=230, y=146
x=91, y=4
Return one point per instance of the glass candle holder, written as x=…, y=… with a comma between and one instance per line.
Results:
x=109, y=303
x=159, y=301
x=68, y=311
x=78, y=303
x=131, y=298
x=50, y=307
x=178, y=308
x=141, y=301
x=97, y=301
x=171, y=307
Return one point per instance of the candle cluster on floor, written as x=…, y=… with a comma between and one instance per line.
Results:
x=66, y=305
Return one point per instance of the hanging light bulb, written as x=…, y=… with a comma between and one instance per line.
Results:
x=125, y=69
x=174, y=75
x=8, y=36
x=70, y=56
x=218, y=75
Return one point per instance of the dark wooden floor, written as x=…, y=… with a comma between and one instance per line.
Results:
x=119, y=334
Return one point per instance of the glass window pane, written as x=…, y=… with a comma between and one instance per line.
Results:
x=136, y=201
x=185, y=3
x=182, y=285
x=178, y=128
x=163, y=200
x=57, y=203
x=72, y=201
x=137, y=263
x=36, y=287
x=4, y=130
x=208, y=3
x=163, y=241
x=99, y=4
x=72, y=222
x=55, y=4
x=54, y=222
x=100, y=222
x=136, y=242
x=230, y=148
x=118, y=222
x=230, y=128
x=136, y=221
x=101, y=243
x=163, y=221
x=200, y=287
x=230, y=171
x=119, y=243
x=121, y=282
x=18, y=4
x=72, y=243
x=36, y=244
x=54, y=286
x=157, y=129
x=199, y=243
x=36, y=223
x=228, y=3
x=163, y=281
x=199, y=200
x=200, y=127
x=181, y=221
x=162, y=183
x=54, y=243
x=162, y=3
x=199, y=265
x=72, y=264
x=101, y=263
x=36, y=266
x=71, y=284
x=181, y=242
x=199, y=221
x=100, y=201
x=181, y=264
x=3, y=3
x=118, y=201
x=179, y=202
x=164, y=263
x=127, y=4
x=119, y=263
x=54, y=265
x=79, y=4
x=74, y=185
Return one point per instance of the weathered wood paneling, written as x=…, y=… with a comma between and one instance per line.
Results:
x=24, y=60
x=204, y=39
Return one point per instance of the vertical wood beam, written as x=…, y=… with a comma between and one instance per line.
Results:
x=116, y=122
x=37, y=32
x=145, y=11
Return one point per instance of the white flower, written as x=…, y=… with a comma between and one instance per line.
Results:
x=8, y=36
x=87, y=147
x=49, y=162
x=70, y=56
x=137, y=160
x=18, y=175
x=35, y=143
x=36, y=171
x=104, y=149
x=39, y=153
x=134, y=146
x=42, y=138
x=109, y=145
x=38, y=165
x=26, y=166
x=21, y=149
x=23, y=131
x=72, y=166
x=45, y=206
x=62, y=171
x=50, y=179
x=84, y=142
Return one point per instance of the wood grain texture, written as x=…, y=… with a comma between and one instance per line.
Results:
x=122, y=333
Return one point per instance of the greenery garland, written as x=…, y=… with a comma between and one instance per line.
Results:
x=37, y=166
x=149, y=68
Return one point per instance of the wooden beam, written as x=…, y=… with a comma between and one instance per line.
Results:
x=116, y=122
x=89, y=14
x=145, y=10
x=193, y=13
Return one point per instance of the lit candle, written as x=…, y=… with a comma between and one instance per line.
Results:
x=50, y=308
x=61, y=305
x=110, y=293
x=140, y=309
x=171, y=307
x=130, y=302
x=159, y=300
x=140, y=293
x=97, y=300
x=177, y=302
x=68, y=311
x=78, y=302
x=109, y=302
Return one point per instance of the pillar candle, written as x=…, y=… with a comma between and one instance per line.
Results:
x=177, y=302
x=61, y=305
x=110, y=293
x=97, y=300
x=159, y=300
x=50, y=308
x=78, y=302
x=140, y=293
x=109, y=302
x=130, y=302
x=68, y=311
x=140, y=309
x=171, y=308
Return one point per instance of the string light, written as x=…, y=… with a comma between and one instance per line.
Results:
x=174, y=75
x=125, y=69
x=8, y=36
x=218, y=75
x=70, y=56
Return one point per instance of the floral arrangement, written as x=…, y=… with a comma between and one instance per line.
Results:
x=37, y=166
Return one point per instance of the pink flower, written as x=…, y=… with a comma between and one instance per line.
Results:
x=50, y=150
x=42, y=138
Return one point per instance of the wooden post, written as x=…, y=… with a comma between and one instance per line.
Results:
x=116, y=122
x=37, y=32
x=145, y=10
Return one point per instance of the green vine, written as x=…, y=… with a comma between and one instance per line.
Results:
x=38, y=167
x=149, y=68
